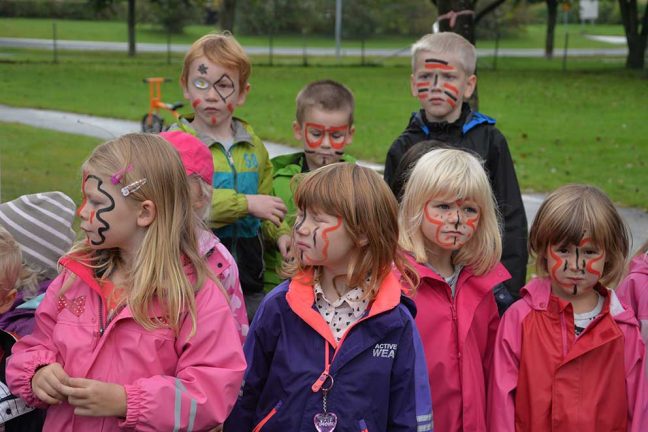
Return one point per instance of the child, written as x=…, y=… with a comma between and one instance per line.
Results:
x=215, y=80
x=633, y=290
x=569, y=356
x=15, y=415
x=443, y=77
x=133, y=333
x=199, y=166
x=336, y=344
x=448, y=223
x=41, y=224
x=324, y=126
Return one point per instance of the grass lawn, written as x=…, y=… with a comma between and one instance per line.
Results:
x=116, y=31
x=584, y=125
x=36, y=160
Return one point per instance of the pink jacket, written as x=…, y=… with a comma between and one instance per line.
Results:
x=633, y=291
x=172, y=383
x=544, y=378
x=458, y=335
x=222, y=263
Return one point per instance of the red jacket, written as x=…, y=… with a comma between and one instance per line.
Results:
x=546, y=379
x=458, y=336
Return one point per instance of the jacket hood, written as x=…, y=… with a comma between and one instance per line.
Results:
x=639, y=264
x=537, y=294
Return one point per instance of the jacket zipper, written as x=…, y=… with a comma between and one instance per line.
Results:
x=101, y=318
x=267, y=418
x=230, y=162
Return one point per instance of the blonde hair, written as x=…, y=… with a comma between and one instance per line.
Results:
x=369, y=210
x=447, y=43
x=327, y=95
x=564, y=216
x=10, y=260
x=451, y=173
x=222, y=49
x=642, y=250
x=157, y=273
x=206, y=191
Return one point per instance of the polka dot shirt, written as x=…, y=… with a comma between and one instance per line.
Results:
x=343, y=312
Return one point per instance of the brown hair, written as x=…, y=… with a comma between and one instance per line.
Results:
x=369, y=210
x=566, y=214
x=222, y=49
x=327, y=95
x=10, y=260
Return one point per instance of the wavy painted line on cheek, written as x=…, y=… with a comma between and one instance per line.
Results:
x=325, y=238
x=554, y=269
x=438, y=223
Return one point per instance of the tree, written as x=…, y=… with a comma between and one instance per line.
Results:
x=131, y=21
x=227, y=15
x=636, y=34
x=552, y=16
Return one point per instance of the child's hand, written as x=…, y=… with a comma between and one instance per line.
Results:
x=96, y=398
x=283, y=244
x=48, y=383
x=267, y=207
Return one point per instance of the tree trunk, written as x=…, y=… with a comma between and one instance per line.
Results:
x=635, y=36
x=131, y=28
x=552, y=16
x=464, y=25
x=227, y=15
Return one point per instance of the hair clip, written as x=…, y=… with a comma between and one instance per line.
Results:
x=117, y=177
x=129, y=189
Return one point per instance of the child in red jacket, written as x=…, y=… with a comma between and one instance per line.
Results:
x=568, y=355
x=448, y=223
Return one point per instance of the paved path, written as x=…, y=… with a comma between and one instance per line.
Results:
x=107, y=128
x=263, y=50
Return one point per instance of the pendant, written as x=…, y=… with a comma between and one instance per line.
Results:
x=325, y=422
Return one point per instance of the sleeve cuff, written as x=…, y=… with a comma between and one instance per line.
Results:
x=134, y=406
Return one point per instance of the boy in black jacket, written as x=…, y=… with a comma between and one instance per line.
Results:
x=443, y=76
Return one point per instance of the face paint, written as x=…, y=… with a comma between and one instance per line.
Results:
x=98, y=214
x=196, y=102
x=322, y=240
x=575, y=268
x=437, y=64
x=316, y=133
x=449, y=225
x=202, y=69
x=213, y=120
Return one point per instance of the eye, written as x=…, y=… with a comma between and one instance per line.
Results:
x=201, y=84
x=315, y=132
x=337, y=136
x=471, y=210
x=591, y=251
x=443, y=206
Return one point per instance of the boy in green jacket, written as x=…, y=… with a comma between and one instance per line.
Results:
x=324, y=125
x=215, y=80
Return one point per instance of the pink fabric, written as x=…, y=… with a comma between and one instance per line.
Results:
x=166, y=377
x=458, y=335
x=633, y=291
x=508, y=349
x=222, y=263
x=195, y=155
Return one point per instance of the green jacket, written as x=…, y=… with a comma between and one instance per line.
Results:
x=243, y=170
x=284, y=169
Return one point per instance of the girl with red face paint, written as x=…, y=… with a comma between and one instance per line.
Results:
x=135, y=333
x=569, y=354
x=335, y=347
x=449, y=224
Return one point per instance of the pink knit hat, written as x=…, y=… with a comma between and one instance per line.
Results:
x=195, y=155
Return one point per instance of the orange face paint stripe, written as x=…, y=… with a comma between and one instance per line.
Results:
x=592, y=261
x=325, y=233
x=452, y=88
x=435, y=222
x=554, y=269
x=196, y=102
x=434, y=66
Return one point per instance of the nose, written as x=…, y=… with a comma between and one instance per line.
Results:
x=301, y=227
x=575, y=262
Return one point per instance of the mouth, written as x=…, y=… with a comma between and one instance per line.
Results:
x=302, y=245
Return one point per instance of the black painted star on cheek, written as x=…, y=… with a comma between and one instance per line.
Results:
x=202, y=69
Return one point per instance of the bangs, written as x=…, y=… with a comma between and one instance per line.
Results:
x=324, y=193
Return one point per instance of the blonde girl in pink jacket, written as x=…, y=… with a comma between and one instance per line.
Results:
x=134, y=333
x=633, y=290
x=448, y=222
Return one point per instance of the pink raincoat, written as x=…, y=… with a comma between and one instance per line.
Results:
x=546, y=379
x=633, y=291
x=458, y=333
x=172, y=383
x=222, y=263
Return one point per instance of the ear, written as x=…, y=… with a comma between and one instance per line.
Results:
x=471, y=83
x=297, y=131
x=243, y=94
x=7, y=302
x=147, y=213
x=413, y=89
x=350, y=135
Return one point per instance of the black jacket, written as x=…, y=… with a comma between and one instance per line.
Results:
x=476, y=132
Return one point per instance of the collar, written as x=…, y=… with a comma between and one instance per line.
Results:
x=353, y=298
x=239, y=131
